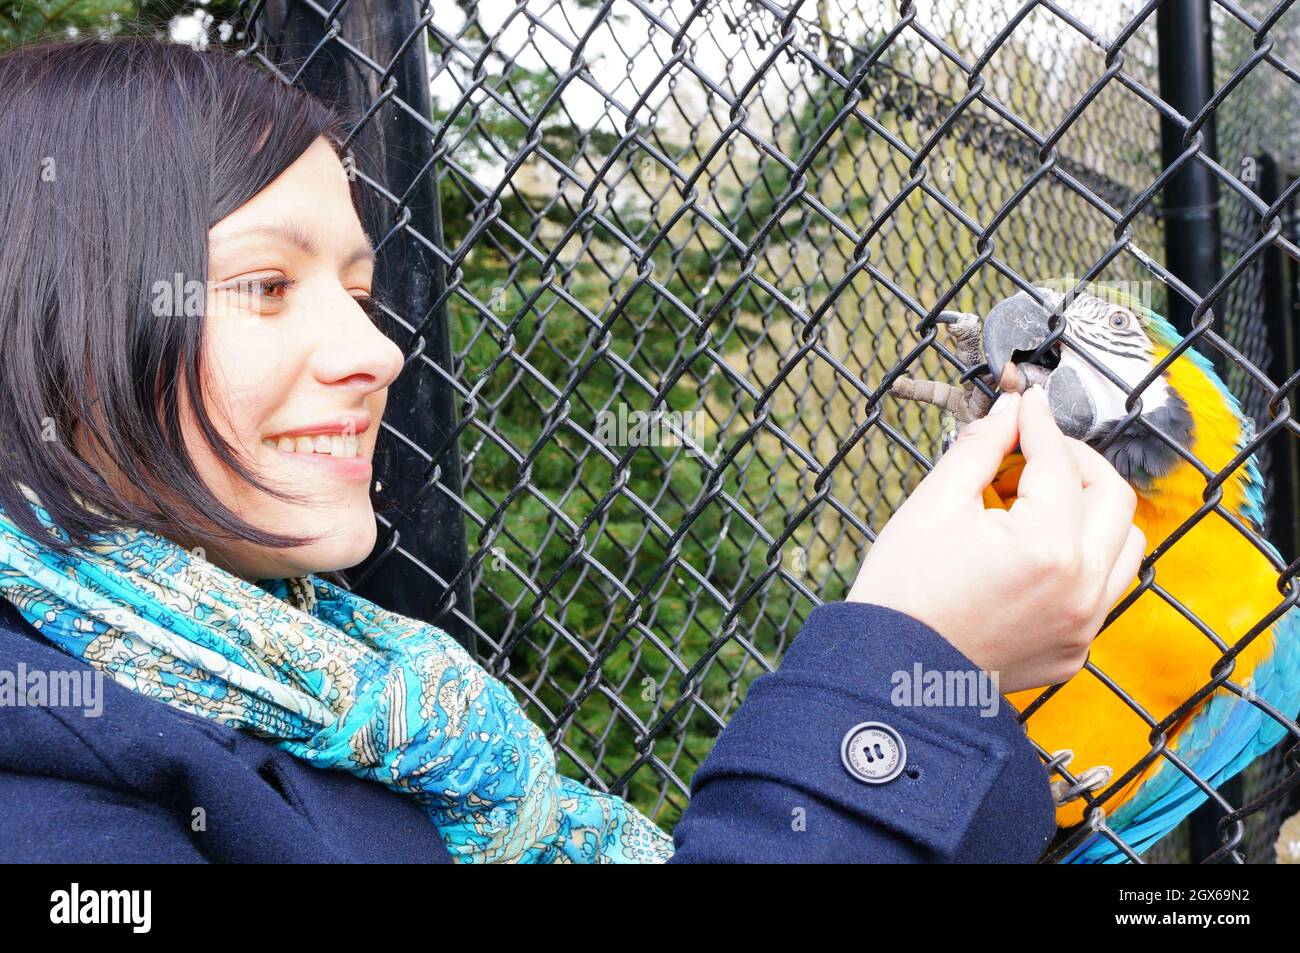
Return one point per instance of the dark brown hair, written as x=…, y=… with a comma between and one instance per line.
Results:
x=116, y=157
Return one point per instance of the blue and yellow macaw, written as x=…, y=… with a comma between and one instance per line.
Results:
x=1151, y=651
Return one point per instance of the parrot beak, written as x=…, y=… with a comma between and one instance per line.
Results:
x=1071, y=402
x=1014, y=331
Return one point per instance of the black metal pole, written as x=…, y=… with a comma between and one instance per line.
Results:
x=1191, y=197
x=422, y=539
x=1283, y=476
x=1284, y=339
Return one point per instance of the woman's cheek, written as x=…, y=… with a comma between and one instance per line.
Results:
x=247, y=367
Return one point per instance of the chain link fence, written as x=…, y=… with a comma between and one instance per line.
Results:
x=656, y=264
x=1258, y=125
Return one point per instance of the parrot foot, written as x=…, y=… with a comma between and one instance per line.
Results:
x=965, y=402
x=1093, y=779
x=964, y=329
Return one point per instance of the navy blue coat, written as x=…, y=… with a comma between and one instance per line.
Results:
x=127, y=785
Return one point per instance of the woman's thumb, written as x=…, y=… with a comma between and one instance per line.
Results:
x=972, y=461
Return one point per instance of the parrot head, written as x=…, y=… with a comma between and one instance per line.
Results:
x=1125, y=341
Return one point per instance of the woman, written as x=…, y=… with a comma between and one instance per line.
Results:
x=193, y=388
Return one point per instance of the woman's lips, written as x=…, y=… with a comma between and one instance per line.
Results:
x=358, y=468
x=354, y=424
x=331, y=445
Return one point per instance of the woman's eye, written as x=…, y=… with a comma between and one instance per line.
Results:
x=257, y=295
x=267, y=287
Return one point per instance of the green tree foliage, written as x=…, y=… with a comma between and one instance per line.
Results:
x=22, y=21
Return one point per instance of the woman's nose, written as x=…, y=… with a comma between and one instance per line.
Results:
x=353, y=351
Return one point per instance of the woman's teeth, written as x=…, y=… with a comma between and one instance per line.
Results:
x=333, y=445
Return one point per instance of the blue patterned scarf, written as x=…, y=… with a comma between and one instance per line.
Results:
x=340, y=682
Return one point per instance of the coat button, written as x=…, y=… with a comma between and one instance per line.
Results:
x=873, y=752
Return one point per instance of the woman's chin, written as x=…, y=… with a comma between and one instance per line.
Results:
x=340, y=548
x=342, y=551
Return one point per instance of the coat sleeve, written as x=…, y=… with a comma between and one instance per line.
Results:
x=777, y=786
x=57, y=821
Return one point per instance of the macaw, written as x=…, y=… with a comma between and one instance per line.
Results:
x=1152, y=651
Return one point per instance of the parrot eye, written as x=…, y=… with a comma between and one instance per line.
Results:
x=1118, y=320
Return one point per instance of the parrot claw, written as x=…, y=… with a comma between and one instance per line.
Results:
x=1094, y=779
x=1060, y=759
x=961, y=404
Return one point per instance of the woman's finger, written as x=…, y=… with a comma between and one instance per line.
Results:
x=1050, y=489
x=1108, y=504
x=972, y=462
x=1125, y=569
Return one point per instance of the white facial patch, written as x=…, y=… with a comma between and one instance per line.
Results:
x=1107, y=398
x=1088, y=327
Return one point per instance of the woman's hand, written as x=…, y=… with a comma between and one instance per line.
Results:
x=1020, y=592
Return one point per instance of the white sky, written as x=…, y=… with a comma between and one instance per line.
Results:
x=716, y=45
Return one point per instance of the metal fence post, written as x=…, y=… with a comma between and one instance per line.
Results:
x=1280, y=316
x=1191, y=197
x=422, y=543
x=1281, y=289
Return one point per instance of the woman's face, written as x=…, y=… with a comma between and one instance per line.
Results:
x=297, y=372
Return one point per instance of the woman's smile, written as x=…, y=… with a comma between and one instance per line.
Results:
x=336, y=450
x=334, y=444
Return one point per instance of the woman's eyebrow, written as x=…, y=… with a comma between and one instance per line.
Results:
x=301, y=237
